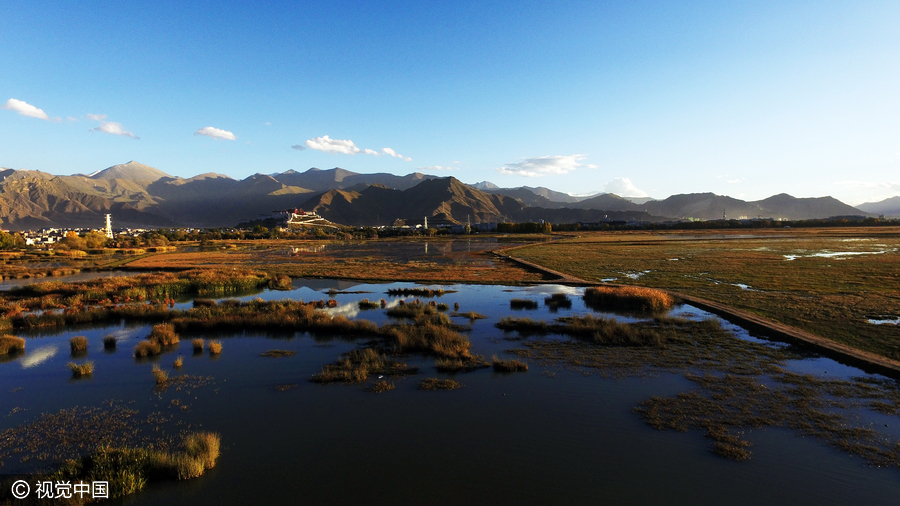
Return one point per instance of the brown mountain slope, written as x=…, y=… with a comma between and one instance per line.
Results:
x=440, y=198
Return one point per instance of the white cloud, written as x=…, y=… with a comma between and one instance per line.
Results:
x=111, y=127
x=436, y=167
x=733, y=181
x=26, y=109
x=348, y=147
x=216, y=133
x=299, y=147
x=389, y=151
x=268, y=123
x=70, y=118
x=623, y=187
x=329, y=145
x=545, y=166
x=97, y=117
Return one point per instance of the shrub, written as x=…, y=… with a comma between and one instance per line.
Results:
x=197, y=344
x=215, y=347
x=178, y=363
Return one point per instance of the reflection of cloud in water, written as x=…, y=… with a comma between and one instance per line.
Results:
x=349, y=310
x=551, y=289
x=38, y=356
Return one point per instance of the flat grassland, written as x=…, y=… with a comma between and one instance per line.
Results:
x=827, y=281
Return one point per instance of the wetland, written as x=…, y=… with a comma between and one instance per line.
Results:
x=486, y=393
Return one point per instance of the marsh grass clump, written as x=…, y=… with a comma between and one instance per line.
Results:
x=439, y=384
x=164, y=334
x=605, y=331
x=357, y=365
x=197, y=345
x=278, y=353
x=205, y=303
x=110, y=343
x=368, y=305
x=129, y=469
x=382, y=386
x=630, y=298
x=11, y=344
x=411, y=310
x=147, y=348
x=557, y=301
x=215, y=347
x=511, y=365
x=161, y=376
x=280, y=282
x=461, y=365
x=471, y=315
x=430, y=339
x=522, y=304
x=178, y=363
x=80, y=370
x=78, y=344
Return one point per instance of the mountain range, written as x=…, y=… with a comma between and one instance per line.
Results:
x=139, y=196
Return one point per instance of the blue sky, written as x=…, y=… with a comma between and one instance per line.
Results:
x=638, y=98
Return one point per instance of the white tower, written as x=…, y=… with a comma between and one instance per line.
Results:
x=426, y=223
x=109, y=234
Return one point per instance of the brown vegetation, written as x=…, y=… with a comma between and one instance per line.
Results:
x=439, y=384
x=82, y=369
x=10, y=344
x=78, y=344
x=629, y=298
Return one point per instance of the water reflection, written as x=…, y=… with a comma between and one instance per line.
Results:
x=39, y=356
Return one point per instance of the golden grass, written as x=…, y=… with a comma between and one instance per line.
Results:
x=430, y=339
x=159, y=375
x=215, y=347
x=197, y=344
x=82, y=369
x=147, y=348
x=164, y=334
x=78, y=344
x=9, y=344
x=460, y=365
x=129, y=469
x=178, y=363
x=630, y=298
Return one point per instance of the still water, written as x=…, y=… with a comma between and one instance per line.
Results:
x=548, y=436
